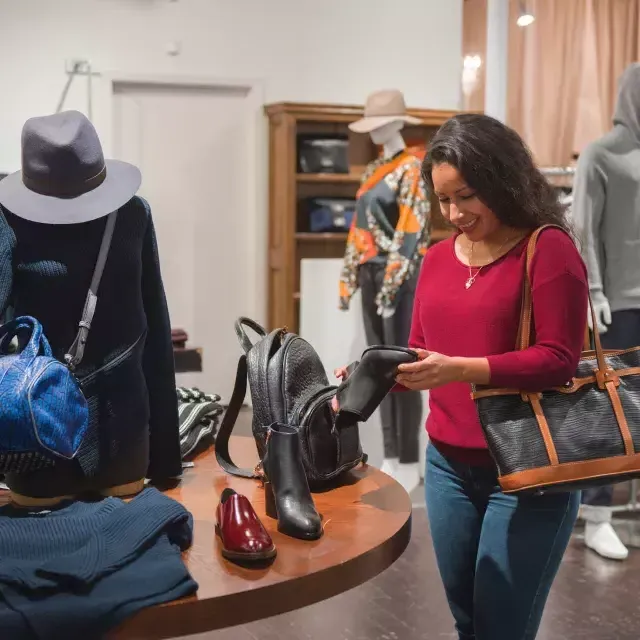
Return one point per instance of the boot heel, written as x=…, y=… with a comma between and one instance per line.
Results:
x=270, y=501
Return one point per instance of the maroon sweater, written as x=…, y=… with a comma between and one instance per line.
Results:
x=482, y=321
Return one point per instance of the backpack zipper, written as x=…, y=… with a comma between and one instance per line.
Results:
x=301, y=412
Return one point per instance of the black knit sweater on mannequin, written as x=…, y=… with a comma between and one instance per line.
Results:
x=45, y=272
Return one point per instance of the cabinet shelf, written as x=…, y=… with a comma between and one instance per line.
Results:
x=309, y=236
x=290, y=190
x=329, y=178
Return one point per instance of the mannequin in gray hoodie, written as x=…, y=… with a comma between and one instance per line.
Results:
x=606, y=215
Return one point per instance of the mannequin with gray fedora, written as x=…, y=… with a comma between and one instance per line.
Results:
x=387, y=240
x=53, y=219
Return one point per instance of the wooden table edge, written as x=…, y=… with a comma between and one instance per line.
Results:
x=193, y=616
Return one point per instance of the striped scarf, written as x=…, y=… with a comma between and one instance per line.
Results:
x=199, y=414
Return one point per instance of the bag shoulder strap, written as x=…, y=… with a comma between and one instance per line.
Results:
x=76, y=350
x=243, y=338
x=228, y=422
x=526, y=314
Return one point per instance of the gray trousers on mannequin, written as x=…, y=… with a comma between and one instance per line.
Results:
x=400, y=413
x=622, y=333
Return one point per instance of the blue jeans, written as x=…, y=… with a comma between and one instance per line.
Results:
x=497, y=554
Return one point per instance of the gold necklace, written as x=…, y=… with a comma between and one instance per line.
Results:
x=472, y=276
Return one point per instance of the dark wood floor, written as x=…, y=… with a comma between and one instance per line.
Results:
x=592, y=599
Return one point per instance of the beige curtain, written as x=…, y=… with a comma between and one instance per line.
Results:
x=564, y=70
x=545, y=61
x=474, y=42
x=615, y=25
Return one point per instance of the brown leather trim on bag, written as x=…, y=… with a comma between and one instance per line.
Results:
x=524, y=329
x=569, y=472
x=591, y=355
x=489, y=393
x=576, y=385
x=620, y=417
x=543, y=425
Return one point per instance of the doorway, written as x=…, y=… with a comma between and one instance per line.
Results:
x=193, y=145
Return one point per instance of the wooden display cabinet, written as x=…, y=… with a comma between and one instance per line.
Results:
x=289, y=243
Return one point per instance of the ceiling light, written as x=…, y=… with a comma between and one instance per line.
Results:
x=473, y=62
x=525, y=18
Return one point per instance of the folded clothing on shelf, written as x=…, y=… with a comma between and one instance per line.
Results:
x=199, y=414
x=83, y=568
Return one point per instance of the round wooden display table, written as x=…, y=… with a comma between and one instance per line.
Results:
x=367, y=525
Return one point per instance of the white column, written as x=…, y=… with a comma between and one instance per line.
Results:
x=496, y=70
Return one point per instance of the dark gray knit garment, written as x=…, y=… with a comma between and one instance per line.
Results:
x=82, y=569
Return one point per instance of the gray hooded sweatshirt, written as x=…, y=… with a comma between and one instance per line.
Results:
x=606, y=201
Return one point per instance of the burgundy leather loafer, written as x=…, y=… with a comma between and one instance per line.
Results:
x=243, y=536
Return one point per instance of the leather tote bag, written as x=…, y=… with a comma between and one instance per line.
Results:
x=586, y=433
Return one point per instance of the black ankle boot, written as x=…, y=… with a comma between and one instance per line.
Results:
x=287, y=494
x=369, y=381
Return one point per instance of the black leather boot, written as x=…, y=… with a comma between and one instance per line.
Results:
x=369, y=381
x=287, y=494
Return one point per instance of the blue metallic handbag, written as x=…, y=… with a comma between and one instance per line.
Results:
x=44, y=414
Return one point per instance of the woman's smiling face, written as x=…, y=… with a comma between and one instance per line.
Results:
x=461, y=206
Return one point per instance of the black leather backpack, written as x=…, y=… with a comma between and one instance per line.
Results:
x=289, y=386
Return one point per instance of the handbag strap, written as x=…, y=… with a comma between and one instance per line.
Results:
x=243, y=338
x=223, y=456
x=76, y=351
x=526, y=314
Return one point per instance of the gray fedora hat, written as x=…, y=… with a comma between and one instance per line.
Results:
x=65, y=178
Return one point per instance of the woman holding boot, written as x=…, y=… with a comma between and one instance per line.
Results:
x=497, y=554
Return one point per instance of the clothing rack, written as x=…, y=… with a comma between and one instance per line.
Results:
x=558, y=171
x=561, y=177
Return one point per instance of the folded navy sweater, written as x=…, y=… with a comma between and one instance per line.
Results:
x=81, y=569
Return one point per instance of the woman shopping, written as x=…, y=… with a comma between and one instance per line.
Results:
x=497, y=554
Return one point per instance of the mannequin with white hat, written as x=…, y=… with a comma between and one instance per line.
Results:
x=388, y=237
x=53, y=218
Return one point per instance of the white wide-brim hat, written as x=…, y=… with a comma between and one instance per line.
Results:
x=383, y=107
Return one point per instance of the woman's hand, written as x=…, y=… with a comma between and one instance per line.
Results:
x=340, y=373
x=431, y=370
x=435, y=369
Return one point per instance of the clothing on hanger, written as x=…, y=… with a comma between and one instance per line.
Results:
x=391, y=226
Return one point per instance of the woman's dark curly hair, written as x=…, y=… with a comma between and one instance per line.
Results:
x=495, y=162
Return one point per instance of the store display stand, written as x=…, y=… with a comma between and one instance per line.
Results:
x=288, y=189
x=367, y=526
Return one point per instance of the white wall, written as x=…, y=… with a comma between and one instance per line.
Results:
x=320, y=51
x=294, y=50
